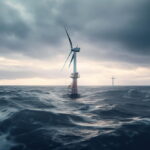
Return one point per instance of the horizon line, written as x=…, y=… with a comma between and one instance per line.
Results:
x=67, y=86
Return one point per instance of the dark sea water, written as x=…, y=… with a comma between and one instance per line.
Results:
x=103, y=118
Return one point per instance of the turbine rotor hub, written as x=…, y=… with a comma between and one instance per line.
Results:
x=77, y=49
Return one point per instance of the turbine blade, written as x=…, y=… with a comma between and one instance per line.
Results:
x=69, y=38
x=66, y=60
x=71, y=60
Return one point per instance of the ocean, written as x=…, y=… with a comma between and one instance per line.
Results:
x=102, y=118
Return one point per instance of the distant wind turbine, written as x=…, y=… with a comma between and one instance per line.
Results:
x=113, y=81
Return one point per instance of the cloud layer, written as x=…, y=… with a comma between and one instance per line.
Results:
x=27, y=26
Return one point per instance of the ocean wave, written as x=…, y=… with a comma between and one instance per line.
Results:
x=45, y=118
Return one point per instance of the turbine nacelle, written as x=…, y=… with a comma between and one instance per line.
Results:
x=77, y=49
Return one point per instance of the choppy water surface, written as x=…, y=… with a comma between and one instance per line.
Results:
x=103, y=118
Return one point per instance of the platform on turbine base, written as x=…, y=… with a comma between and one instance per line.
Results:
x=75, y=75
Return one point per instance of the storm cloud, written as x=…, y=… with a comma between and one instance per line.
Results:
x=35, y=28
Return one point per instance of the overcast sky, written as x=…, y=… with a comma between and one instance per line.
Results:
x=114, y=37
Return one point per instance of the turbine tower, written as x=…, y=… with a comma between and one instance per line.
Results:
x=113, y=81
x=74, y=75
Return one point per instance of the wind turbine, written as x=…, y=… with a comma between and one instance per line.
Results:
x=113, y=81
x=75, y=75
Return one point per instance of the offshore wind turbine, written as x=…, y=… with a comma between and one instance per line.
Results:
x=113, y=81
x=74, y=75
